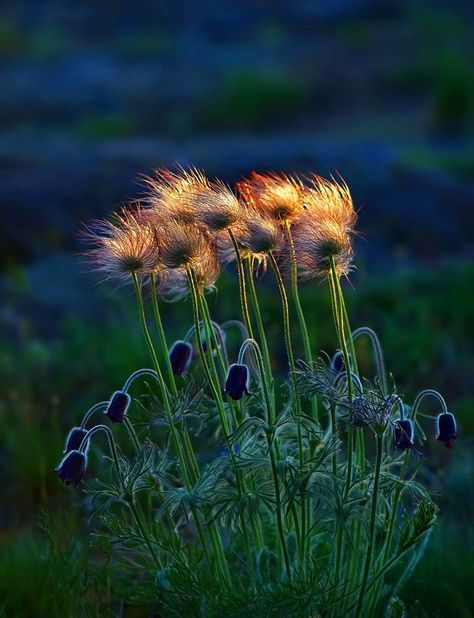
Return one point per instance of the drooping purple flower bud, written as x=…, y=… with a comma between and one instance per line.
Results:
x=337, y=362
x=403, y=435
x=236, y=384
x=72, y=467
x=447, y=431
x=74, y=439
x=118, y=406
x=180, y=357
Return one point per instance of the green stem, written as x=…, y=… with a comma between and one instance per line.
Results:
x=149, y=342
x=291, y=362
x=242, y=287
x=299, y=311
x=372, y=524
x=185, y=465
x=161, y=334
x=132, y=434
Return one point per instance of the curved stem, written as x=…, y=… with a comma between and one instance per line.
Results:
x=137, y=374
x=258, y=318
x=164, y=390
x=378, y=353
x=130, y=504
x=429, y=392
x=97, y=406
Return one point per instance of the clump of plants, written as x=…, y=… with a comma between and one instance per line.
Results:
x=226, y=487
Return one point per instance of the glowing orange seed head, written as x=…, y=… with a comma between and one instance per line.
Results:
x=277, y=196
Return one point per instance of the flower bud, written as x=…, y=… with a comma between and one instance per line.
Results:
x=180, y=357
x=118, y=406
x=447, y=431
x=72, y=468
x=236, y=384
x=74, y=439
x=403, y=435
x=337, y=362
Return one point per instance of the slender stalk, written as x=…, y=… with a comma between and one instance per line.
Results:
x=242, y=287
x=161, y=334
x=373, y=520
x=258, y=318
x=149, y=342
x=291, y=362
x=185, y=465
x=102, y=405
x=132, y=434
x=289, y=347
x=378, y=353
x=271, y=449
x=131, y=504
x=299, y=311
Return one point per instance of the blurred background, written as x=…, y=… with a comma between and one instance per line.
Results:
x=93, y=94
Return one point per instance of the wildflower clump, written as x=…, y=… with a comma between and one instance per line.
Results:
x=223, y=492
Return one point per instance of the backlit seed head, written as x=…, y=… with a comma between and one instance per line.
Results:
x=118, y=406
x=447, y=429
x=169, y=196
x=122, y=247
x=317, y=243
x=256, y=237
x=330, y=200
x=72, y=467
x=216, y=208
x=277, y=196
x=74, y=439
x=183, y=246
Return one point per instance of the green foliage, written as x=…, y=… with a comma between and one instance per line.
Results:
x=254, y=97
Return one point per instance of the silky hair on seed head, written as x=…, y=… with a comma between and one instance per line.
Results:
x=169, y=194
x=317, y=244
x=277, y=196
x=330, y=199
x=122, y=247
x=216, y=208
x=184, y=246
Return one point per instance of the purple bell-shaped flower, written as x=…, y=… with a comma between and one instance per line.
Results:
x=72, y=467
x=403, y=435
x=74, y=439
x=181, y=355
x=118, y=406
x=447, y=430
x=236, y=384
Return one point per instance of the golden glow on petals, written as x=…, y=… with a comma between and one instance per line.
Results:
x=184, y=246
x=277, y=196
x=123, y=246
x=329, y=199
x=317, y=242
x=186, y=219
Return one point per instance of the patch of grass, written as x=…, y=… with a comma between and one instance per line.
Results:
x=458, y=163
x=109, y=126
x=251, y=98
